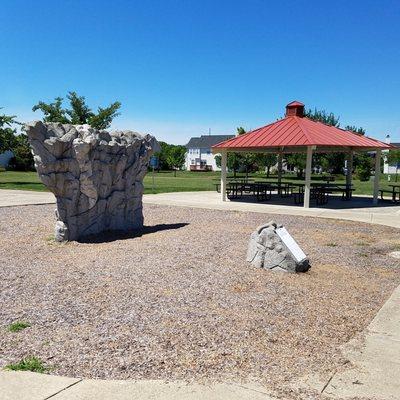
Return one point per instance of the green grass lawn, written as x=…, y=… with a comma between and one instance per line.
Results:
x=165, y=181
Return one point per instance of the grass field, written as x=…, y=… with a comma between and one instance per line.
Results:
x=165, y=181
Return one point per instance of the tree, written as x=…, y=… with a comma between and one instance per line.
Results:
x=7, y=133
x=266, y=160
x=176, y=157
x=393, y=158
x=334, y=162
x=52, y=111
x=23, y=158
x=171, y=157
x=244, y=160
x=363, y=168
x=352, y=128
x=297, y=160
x=232, y=162
x=78, y=113
x=322, y=116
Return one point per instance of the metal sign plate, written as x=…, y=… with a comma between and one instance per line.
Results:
x=291, y=244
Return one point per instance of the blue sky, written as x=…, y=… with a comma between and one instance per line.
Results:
x=182, y=67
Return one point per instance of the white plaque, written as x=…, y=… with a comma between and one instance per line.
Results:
x=291, y=244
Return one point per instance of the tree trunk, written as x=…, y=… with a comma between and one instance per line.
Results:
x=174, y=172
x=268, y=171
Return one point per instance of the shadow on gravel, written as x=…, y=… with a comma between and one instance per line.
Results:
x=111, y=236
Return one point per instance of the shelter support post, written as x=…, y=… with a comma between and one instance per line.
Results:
x=307, y=187
x=349, y=168
x=224, y=158
x=378, y=156
x=280, y=156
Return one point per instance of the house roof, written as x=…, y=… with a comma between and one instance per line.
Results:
x=294, y=132
x=295, y=103
x=207, y=141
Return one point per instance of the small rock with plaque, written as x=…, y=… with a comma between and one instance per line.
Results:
x=272, y=247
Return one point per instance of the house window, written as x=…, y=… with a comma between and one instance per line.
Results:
x=192, y=162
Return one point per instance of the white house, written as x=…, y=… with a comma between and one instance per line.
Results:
x=198, y=152
x=387, y=168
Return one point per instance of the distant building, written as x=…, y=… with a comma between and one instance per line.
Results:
x=388, y=168
x=198, y=152
x=5, y=158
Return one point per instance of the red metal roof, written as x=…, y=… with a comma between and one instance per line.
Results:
x=296, y=132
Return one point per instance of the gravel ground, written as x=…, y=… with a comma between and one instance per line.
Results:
x=180, y=302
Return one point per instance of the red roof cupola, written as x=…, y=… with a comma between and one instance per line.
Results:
x=295, y=109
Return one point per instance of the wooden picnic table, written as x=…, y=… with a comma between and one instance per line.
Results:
x=320, y=191
x=394, y=192
x=261, y=191
x=284, y=189
x=232, y=180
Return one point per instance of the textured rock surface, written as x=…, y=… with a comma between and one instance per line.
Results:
x=266, y=250
x=96, y=176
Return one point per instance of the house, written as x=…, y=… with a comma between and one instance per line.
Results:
x=5, y=158
x=387, y=168
x=198, y=152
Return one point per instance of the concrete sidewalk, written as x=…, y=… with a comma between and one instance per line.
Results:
x=374, y=372
x=9, y=198
x=32, y=386
x=360, y=210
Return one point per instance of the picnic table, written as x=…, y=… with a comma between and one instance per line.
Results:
x=321, y=191
x=232, y=180
x=284, y=189
x=260, y=190
x=343, y=188
x=394, y=192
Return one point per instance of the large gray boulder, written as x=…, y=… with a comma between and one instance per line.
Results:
x=268, y=250
x=96, y=176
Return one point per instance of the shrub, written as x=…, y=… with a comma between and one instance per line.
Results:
x=23, y=159
x=32, y=364
x=18, y=326
x=363, y=173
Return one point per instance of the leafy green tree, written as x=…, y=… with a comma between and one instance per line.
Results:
x=18, y=144
x=171, y=157
x=53, y=112
x=362, y=161
x=322, y=116
x=237, y=161
x=78, y=113
x=245, y=161
x=352, y=128
x=363, y=168
x=266, y=160
x=7, y=132
x=393, y=158
x=333, y=162
x=176, y=157
x=162, y=156
x=23, y=158
x=297, y=160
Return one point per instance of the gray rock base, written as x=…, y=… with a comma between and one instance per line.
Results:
x=266, y=250
x=96, y=176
